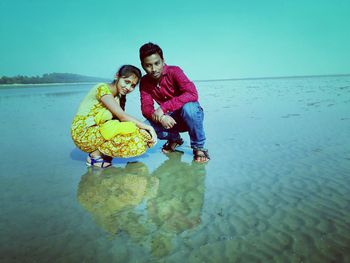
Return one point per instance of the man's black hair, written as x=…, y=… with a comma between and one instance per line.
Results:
x=149, y=49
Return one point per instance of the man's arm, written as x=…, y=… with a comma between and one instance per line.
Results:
x=187, y=89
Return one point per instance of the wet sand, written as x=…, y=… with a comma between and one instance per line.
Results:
x=276, y=190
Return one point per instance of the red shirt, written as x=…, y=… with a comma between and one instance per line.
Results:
x=171, y=92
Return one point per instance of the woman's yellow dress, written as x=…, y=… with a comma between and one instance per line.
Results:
x=94, y=128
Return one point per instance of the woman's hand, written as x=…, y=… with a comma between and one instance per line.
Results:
x=153, y=134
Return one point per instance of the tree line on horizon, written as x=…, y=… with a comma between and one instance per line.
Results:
x=49, y=78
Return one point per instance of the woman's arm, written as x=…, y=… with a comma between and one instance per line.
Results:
x=109, y=101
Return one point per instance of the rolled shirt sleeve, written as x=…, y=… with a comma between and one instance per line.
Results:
x=187, y=90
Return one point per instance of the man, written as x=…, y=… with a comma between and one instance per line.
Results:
x=177, y=97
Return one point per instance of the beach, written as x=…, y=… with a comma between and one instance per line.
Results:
x=277, y=187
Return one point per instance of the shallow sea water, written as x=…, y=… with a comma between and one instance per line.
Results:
x=276, y=190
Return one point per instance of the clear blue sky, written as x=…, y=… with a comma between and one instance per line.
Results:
x=208, y=39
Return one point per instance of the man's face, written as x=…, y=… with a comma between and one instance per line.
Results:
x=153, y=65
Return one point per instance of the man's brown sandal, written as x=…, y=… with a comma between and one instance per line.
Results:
x=171, y=145
x=200, y=153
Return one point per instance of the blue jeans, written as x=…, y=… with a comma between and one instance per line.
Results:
x=189, y=119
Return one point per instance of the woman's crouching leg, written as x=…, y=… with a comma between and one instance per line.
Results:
x=88, y=140
x=126, y=145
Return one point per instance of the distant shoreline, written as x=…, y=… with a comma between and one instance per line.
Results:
x=21, y=85
x=50, y=78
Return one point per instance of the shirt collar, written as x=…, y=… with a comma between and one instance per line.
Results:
x=165, y=69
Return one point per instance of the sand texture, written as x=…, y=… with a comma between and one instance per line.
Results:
x=276, y=190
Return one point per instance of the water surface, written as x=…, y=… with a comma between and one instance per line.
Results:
x=276, y=190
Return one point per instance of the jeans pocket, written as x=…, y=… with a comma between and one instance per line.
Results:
x=200, y=113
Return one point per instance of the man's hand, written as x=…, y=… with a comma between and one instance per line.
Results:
x=167, y=121
x=158, y=113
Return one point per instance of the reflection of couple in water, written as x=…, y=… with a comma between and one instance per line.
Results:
x=103, y=129
x=151, y=208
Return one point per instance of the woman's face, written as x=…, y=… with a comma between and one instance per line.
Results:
x=126, y=85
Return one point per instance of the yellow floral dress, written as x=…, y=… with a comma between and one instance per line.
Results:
x=94, y=128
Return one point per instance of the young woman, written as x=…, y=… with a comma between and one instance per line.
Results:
x=103, y=129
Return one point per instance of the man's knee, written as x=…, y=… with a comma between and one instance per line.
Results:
x=192, y=110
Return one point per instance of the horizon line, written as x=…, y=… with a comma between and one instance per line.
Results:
x=275, y=77
x=225, y=79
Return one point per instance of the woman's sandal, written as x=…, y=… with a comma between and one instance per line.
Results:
x=200, y=153
x=102, y=160
x=171, y=145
